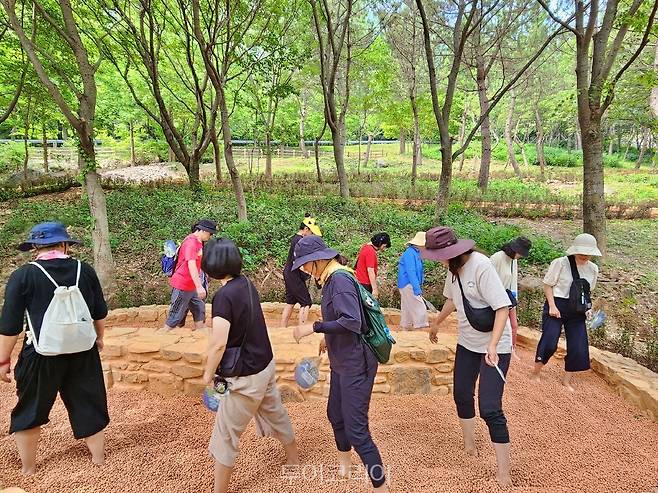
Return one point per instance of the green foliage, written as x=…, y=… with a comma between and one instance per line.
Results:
x=11, y=156
x=142, y=219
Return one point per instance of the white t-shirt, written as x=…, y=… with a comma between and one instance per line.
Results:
x=482, y=288
x=508, y=270
x=559, y=276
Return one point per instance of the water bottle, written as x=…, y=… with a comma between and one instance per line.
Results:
x=307, y=373
x=597, y=320
x=170, y=248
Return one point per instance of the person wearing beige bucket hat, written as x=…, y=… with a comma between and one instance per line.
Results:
x=413, y=311
x=567, y=286
x=484, y=343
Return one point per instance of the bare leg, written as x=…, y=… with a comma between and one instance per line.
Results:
x=292, y=454
x=303, y=314
x=503, y=460
x=27, y=442
x=566, y=381
x=222, y=477
x=344, y=464
x=534, y=376
x=468, y=430
x=285, y=316
x=96, y=445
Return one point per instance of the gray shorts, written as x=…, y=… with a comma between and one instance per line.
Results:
x=181, y=303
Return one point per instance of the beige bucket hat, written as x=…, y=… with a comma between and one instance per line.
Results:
x=418, y=240
x=584, y=244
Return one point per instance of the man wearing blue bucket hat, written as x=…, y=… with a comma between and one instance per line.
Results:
x=63, y=302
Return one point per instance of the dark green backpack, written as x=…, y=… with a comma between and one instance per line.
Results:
x=378, y=337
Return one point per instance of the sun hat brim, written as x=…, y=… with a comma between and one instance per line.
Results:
x=448, y=252
x=324, y=254
x=584, y=250
x=418, y=240
x=26, y=246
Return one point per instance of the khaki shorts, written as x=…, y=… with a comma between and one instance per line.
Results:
x=255, y=396
x=413, y=312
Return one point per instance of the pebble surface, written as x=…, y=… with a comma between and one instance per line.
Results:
x=587, y=441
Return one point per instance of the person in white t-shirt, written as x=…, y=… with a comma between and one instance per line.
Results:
x=506, y=264
x=559, y=312
x=482, y=352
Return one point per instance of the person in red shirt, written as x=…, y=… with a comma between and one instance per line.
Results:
x=367, y=264
x=188, y=287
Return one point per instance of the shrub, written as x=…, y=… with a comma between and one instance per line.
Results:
x=12, y=155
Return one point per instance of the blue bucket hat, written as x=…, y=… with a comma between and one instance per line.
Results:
x=311, y=248
x=47, y=234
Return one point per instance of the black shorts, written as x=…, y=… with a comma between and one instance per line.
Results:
x=78, y=378
x=296, y=289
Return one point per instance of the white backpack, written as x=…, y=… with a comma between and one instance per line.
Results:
x=67, y=325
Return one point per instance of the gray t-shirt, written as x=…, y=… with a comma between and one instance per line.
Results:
x=482, y=288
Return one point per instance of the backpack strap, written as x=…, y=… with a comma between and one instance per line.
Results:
x=41, y=268
x=77, y=276
x=574, y=268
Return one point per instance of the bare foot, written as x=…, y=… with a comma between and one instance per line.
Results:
x=535, y=377
x=29, y=471
x=504, y=480
x=345, y=464
x=569, y=387
x=98, y=462
x=515, y=355
x=472, y=450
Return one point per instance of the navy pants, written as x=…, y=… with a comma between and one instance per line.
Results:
x=347, y=410
x=577, y=358
x=468, y=366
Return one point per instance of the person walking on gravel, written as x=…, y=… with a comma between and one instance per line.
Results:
x=188, y=290
x=567, y=285
x=62, y=299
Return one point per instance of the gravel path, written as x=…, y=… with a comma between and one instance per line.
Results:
x=590, y=441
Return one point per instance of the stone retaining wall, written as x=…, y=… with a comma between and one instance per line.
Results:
x=136, y=357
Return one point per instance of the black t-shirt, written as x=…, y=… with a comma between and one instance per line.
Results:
x=291, y=259
x=29, y=289
x=232, y=303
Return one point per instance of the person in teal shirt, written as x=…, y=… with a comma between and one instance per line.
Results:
x=410, y=283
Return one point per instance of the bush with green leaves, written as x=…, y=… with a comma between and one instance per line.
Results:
x=12, y=155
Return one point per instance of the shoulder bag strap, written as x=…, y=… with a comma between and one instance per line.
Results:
x=461, y=289
x=574, y=268
x=251, y=312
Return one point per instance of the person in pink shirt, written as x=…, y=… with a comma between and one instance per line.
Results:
x=188, y=288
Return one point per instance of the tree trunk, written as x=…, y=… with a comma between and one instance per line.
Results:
x=611, y=139
x=643, y=148
x=578, y=140
x=26, y=158
x=172, y=156
x=133, y=158
x=316, y=150
x=65, y=132
x=415, y=161
x=403, y=142
x=103, y=261
x=628, y=147
x=540, y=143
x=268, y=155
x=462, y=136
x=485, y=128
x=339, y=156
x=443, y=195
x=44, y=143
x=368, y=147
x=217, y=157
x=594, y=220
x=509, y=138
x=230, y=162
x=302, y=123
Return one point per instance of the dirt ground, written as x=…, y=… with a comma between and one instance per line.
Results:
x=589, y=441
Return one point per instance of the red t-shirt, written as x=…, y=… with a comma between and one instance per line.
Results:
x=367, y=259
x=190, y=249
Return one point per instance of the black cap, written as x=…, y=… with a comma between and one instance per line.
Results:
x=521, y=245
x=206, y=225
